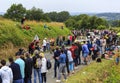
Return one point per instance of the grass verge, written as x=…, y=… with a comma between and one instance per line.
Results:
x=105, y=72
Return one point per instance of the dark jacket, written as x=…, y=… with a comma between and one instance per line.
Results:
x=16, y=71
x=56, y=54
x=28, y=67
x=34, y=60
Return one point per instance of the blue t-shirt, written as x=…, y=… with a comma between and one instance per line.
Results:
x=62, y=58
x=85, y=49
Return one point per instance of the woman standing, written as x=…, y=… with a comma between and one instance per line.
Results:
x=43, y=67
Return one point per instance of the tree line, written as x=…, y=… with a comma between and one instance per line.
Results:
x=86, y=22
x=17, y=11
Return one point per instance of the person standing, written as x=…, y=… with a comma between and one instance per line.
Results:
x=70, y=59
x=37, y=66
x=72, y=49
x=56, y=64
x=17, y=77
x=44, y=44
x=85, y=52
x=21, y=63
x=67, y=62
x=28, y=68
x=6, y=73
x=43, y=68
x=79, y=52
x=22, y=22
x=62, y=60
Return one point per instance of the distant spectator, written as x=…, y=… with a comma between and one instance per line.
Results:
x=44, y=44
x=45, y=26
x=22, y=21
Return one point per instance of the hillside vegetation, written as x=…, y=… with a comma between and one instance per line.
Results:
x=105, y=72
x=11, y=34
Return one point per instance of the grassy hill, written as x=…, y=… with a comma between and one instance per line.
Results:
x=11, y=31
x=11, y=34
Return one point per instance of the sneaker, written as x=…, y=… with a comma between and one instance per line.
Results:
x=73, y=72
x=65, y=80
x=58, y=81
x=53, y=77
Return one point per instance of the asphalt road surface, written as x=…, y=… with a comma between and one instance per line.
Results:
x=50, y=73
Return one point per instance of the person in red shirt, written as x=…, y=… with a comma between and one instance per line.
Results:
x=72, y=49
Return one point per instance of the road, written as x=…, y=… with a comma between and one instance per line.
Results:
x=50, y=73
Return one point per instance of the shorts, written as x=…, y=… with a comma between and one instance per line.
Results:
x=85, y=54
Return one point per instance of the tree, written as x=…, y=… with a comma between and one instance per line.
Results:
x=63, y=16
x=52, y=15
x=15, y=12
x=34, y=14
x=92, y=21
x=70, y=23
x=101, y=27
x=78, y=25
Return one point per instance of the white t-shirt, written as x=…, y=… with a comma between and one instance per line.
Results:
x=44, y=65
x=69, y=54
x=44, y=42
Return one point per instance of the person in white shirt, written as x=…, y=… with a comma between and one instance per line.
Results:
x=43, y=67
x=70, y=59
x=44, y=44
x=6, y=73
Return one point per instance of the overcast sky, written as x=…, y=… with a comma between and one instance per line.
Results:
x=85, y=6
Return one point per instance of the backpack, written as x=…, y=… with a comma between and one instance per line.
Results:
x=37, y=62
x=48, y=64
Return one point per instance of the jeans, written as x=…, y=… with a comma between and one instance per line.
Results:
x=18, y=81
x=75, y=61
x=71, y=66
x=48, y=46
x=55, y=68
x=62, y=71
x=37, y=71
x=44, y=48
x=28, y=80
x=67, y=66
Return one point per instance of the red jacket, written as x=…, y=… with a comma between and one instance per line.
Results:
x=72, y=49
